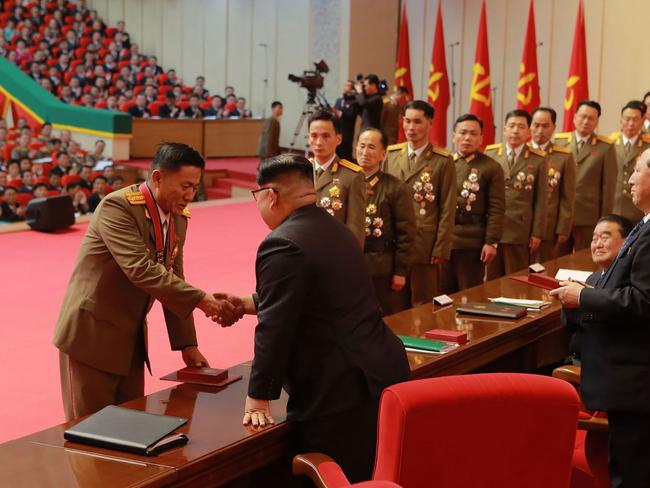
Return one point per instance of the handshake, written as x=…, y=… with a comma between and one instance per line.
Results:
x=226, y=309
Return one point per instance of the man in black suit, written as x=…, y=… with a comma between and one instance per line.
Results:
x=320, y=332
x=616, y=343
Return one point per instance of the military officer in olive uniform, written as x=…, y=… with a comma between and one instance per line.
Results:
x=480, y=207
x=390, y=225
x=561, y=185
x=430, y=175
x=596, y=174
x=340, y=184
x=630, y=144
x=525, y=177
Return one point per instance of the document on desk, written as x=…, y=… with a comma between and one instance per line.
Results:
x=520, y=302
x=572, y=274
x=125, y=429
x=426, y=346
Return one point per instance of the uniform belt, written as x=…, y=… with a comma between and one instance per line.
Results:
x=377, y=246
x=465, y=219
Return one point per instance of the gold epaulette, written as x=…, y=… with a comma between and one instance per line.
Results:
x=135, y=198
x=645, y=137
x=539, y=152
x=614, y=135
x=440, y=150
x=561, y=149
x=493, y=146
x=187, y=213
x=562, y=135
x=395, y=147
x=604, y=139
x=350, y=165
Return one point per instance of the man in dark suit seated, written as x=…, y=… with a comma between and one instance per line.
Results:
x=140, y=110
x=193, y=111
x=320, y=332
x=616, y=343
x=170, y=110
x=609, y=234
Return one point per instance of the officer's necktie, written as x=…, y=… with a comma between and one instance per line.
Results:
x=511, y=159
x=412, y=157
x=319, y=172
x=628, y=145
x=581, y=143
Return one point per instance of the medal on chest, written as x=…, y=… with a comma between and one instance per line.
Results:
x=333, y=203
x=470, y=188
x=554, y=177
x=423, y=190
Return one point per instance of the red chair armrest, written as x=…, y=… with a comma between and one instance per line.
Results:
x=321, y=469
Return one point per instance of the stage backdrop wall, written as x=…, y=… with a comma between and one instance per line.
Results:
x=614, y=32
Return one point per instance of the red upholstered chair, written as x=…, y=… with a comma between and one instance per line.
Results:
x=126, y=106
x=23, y=199
x=590, y=455
x=154, y=107
x=484, y=430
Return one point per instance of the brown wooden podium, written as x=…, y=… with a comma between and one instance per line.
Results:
x=221, y=451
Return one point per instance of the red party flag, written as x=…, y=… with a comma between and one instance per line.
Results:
x=528, y=86
x=480, y=102
x=403, y=65
x=438, y=91
x=577, y=85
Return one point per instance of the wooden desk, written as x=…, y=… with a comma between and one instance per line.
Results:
x=231, y=138
x=148, y=133
x=222, y=451
x=212, y=138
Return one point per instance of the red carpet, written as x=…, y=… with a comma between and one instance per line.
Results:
x=219, y=255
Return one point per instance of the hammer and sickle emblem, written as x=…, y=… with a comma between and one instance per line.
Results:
x=524, y=80
x=477, y=86
x=568, y=102
x=399, y=72
x=434, y=86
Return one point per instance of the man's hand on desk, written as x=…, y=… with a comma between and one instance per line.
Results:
x=193, y=357
x=568, y=293
x=257, y=412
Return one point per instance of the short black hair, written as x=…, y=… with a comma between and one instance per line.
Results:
x=276, y=104
x=117, y=178
x=194, y=95
x=421, y=105
x=70, y=186
x=467, y=118
x=635, y=105
x=590, y=103
x=624, y=224
x=382, y=135
x=548, y=110
x=403, y=89
x=38, y=185
x=372, y=79
x=100, y=177
x=519, y=113
x=327, y=117
x=647, y=94
x=270, y=168
x=170, y=156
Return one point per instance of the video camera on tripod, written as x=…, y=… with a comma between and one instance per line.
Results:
x=312, y=80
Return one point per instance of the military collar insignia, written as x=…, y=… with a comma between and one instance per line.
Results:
x=187, y=213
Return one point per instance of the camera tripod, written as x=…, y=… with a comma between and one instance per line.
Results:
x=314, y=102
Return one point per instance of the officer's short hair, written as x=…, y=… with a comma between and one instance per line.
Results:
x=624, y=225
x=519, y=113
x=467, y=118
x=403, y=90
x=590, y=103
x=548, y=110
x=326, y=116
x=382, y=135
x=270, y=168
x=276, y=104
x=170, y=156
x=635, y=105
x=426, y=108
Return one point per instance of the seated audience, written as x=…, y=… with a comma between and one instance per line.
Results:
x=10, y=211
x=99, y=192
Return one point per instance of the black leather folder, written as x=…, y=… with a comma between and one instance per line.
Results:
x=492, y=310
x=125, y=429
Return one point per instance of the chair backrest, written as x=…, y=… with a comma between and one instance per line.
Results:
x=483, y=430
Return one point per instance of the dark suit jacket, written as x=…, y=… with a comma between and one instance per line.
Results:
x=616, y=338
x=320, y=332
x=571, y=320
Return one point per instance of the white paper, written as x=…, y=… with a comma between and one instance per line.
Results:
x=574, y=274
x=102, y=164
x=521, y=302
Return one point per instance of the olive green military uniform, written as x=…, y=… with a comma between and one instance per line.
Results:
x=431, y=179
x=480, y=207
x=626, y=159
x=390, y=233
x=341, y=190
x=525, y=214
x=561, y=200
x=101, y=331
x=596, y=174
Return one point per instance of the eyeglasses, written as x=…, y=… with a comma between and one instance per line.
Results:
x=255, y=192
